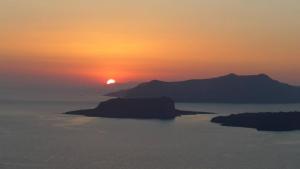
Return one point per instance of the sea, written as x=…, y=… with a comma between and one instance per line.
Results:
x=35, y=134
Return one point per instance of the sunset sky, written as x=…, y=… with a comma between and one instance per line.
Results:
x=70, y=42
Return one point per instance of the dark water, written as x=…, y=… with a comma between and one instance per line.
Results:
x=35, y=135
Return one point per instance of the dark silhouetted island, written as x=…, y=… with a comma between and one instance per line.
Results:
x=231, y=88
x=282, y=121
x=136, y=108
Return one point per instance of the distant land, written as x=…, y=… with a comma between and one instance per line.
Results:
x=230, y=88
x=282, y=121
x=138, y=108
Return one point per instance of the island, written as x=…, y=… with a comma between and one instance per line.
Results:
x=231, y=88
x=266, y=121
x=136, y=108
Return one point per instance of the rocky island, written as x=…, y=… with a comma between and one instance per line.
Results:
x=282, y=121
x=137, y=108
x=231, y=88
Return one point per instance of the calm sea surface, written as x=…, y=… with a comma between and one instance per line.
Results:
x=36, y=135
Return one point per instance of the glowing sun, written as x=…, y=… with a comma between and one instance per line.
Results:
x=111, y=81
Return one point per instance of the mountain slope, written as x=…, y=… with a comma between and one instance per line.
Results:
x=229, y=89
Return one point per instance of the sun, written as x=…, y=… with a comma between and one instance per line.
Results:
x=111, y=81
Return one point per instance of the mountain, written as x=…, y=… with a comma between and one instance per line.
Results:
x=230, y=88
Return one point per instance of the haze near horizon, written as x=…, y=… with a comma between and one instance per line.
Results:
x=63, y=44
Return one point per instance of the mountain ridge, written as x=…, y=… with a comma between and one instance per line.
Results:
x=230, y=88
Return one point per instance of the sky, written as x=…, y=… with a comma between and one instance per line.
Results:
x=86, y=42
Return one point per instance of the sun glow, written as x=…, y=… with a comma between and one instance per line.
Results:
x=111, y=81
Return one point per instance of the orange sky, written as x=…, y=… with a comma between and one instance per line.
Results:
x=136, y=40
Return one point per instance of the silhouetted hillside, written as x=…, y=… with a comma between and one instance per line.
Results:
x=282, y=121
x=138, y=108
x=230, y=88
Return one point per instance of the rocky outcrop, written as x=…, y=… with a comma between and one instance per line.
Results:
x=283, y=121
x=139, y=108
